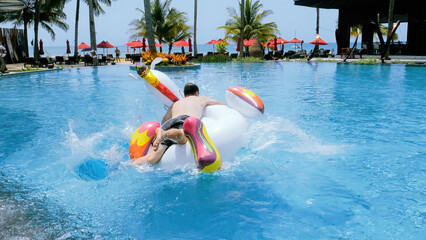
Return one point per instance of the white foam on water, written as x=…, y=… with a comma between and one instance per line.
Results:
x=278, y=133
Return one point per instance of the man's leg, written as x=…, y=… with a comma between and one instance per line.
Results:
x=174, y=134
x=152, y=157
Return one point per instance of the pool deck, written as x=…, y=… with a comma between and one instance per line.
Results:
x=420, y=60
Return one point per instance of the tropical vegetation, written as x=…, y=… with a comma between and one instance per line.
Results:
x=96, y=9
x=253, y=23
x=169, y=24
x=46, y=14
x=383, y=30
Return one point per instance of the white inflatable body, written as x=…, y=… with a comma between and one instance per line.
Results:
x=225, y=125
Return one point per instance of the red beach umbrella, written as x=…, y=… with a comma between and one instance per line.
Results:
x=295, y=40
x=181, y=43
x=190, y=45
x=238, y=44
x=211, y=42
x=320, y=41
x=248, y=43
x=221, y=41
x=129, y=44
x=105, y=44
x=83, y=46
x=158, y=45
x=41, y=51
x=282, y=41
x=143, y=45
x=68, y=47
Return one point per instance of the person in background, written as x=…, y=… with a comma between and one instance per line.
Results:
x=117, y=54
x=2, y=56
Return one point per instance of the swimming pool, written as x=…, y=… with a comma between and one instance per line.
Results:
x=339, y=153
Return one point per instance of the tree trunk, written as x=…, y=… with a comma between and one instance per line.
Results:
x=36, y=21
x=149, y=26
x=92, y=31
x=26, y=38
x=317, y=20
x=195, y=28
x=77, y=13
x=242, y=30
x=170, y=48
x=390, y=25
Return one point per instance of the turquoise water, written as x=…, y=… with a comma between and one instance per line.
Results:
x=339, y=154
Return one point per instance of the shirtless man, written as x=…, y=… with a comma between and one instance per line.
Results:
x=171, y=130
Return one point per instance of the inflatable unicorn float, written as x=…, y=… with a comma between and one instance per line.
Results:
x=216, y=136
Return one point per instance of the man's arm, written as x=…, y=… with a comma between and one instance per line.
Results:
x=168, y=114
x=210, y=101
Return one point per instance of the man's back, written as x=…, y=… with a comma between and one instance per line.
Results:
x=192, y=106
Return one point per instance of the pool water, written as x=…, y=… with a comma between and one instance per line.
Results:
x=339, y=154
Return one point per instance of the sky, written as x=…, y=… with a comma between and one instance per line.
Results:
x=292, y=21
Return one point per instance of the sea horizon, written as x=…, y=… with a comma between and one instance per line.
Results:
x=52, y=51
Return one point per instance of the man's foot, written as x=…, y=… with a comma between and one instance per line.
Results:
x=160, y=137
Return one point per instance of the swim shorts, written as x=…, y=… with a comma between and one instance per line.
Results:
x=176, y=123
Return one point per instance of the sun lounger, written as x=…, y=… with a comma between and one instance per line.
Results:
x=44, y=62
x=136, y=58
x=110, y=58
x=71, y=60
x=234, y=55
x=59, y=59
x=128, y=57
x=30, y=61
x=88, y=60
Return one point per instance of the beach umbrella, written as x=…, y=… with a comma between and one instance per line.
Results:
x=129, y=44
x=238, y=45
x=68, y=47
x=83, y=46
x=182, y=43
x=190, y=45
x=221, y=41
x=295, y=41
x=320, y=41
x=248, y=43
x=143, y=45
x=281, y=40
x=41, y=51
x=158, y=45
x=213, y=41
x=105, y=44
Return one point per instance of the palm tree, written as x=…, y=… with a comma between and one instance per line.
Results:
x=149, y=26
x=77, y=13
x=383, y=30
x=94, y=9
x=45, y=13
x=253, y=26
x=97, y=8
x=169, y=24
x=195, y=28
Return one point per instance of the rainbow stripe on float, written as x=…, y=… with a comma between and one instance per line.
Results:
x=249, y=97
x=147, y=74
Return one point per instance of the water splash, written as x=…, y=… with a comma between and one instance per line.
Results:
x=278, y=133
